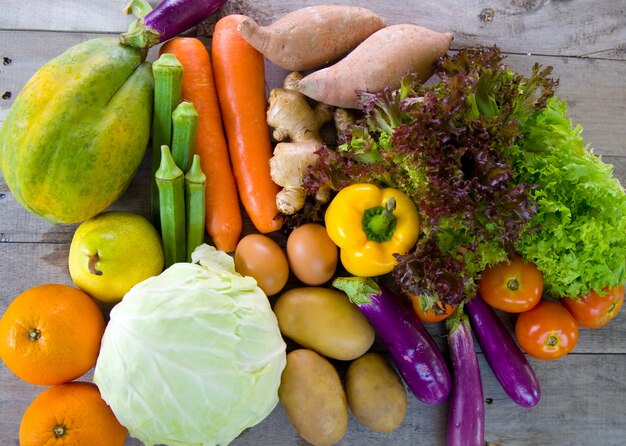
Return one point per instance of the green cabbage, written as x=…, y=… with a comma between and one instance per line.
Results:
x=192, y=356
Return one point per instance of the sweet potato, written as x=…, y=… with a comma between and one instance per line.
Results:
x=382, y=60
x=311, y=37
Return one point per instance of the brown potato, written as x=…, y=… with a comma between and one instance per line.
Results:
x=313, y=398
x=375, y=392
x=324, y=320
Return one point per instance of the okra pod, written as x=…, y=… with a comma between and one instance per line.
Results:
x=195, y=207
x=185, y=122
x=168, y=73
x=171, y=185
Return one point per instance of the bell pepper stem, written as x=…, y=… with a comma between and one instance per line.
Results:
x=379, y=222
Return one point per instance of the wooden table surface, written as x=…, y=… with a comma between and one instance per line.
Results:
x=583, y=395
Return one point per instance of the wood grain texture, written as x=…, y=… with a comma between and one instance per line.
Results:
x=583, y=394
x=587, y=410
x=65, y=15
x=577, y=28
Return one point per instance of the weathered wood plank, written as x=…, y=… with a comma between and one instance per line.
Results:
x=583, y=394
x=595, y=93
x=552, y=422
x=582, y=403
x=66, y=15
x=586, y=28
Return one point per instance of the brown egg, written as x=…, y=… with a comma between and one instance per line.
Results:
x=260, y=257
x=312, y=254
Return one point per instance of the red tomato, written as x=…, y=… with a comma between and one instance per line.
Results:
x=441, y=312
x=547, y=331
x=593, y=311
x=513, y=286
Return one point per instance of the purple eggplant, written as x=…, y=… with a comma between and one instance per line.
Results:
x=411, y=347
x=508, y=363
x=167, y=20
x=466, y=417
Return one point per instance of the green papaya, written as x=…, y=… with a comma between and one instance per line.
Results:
x=78, y=130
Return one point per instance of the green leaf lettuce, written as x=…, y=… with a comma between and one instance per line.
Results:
x=577, y=238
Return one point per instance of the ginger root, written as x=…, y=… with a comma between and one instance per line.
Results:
x=293, y=118
x=344, y=120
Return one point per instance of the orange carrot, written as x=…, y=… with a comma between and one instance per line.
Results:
x=223, y=215
x=240, y=80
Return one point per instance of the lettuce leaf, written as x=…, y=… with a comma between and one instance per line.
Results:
x=577, y=237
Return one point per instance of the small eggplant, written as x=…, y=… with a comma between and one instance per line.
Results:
x=168, y=19
x=466, y=419
x=411, y=347
x=508, y=363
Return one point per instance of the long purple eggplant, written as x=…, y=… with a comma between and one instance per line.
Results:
x=466, y=417
x=168, y=19
x=411, y=347
x=508, y=363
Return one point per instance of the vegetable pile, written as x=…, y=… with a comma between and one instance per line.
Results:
x=442, y=201
x=494, y=166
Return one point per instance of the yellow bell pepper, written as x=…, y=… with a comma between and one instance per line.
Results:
x=370, y=225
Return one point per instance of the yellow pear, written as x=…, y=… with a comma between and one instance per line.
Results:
x=112, y=252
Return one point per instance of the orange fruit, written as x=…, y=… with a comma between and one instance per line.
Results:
x=70, y=414
x=51, y=334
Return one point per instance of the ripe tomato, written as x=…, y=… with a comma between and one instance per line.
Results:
x=513, y=286
x=593, y=311
x=441, y=312
x=547, y=331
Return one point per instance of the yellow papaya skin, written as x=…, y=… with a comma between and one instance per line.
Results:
x=78, y=130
